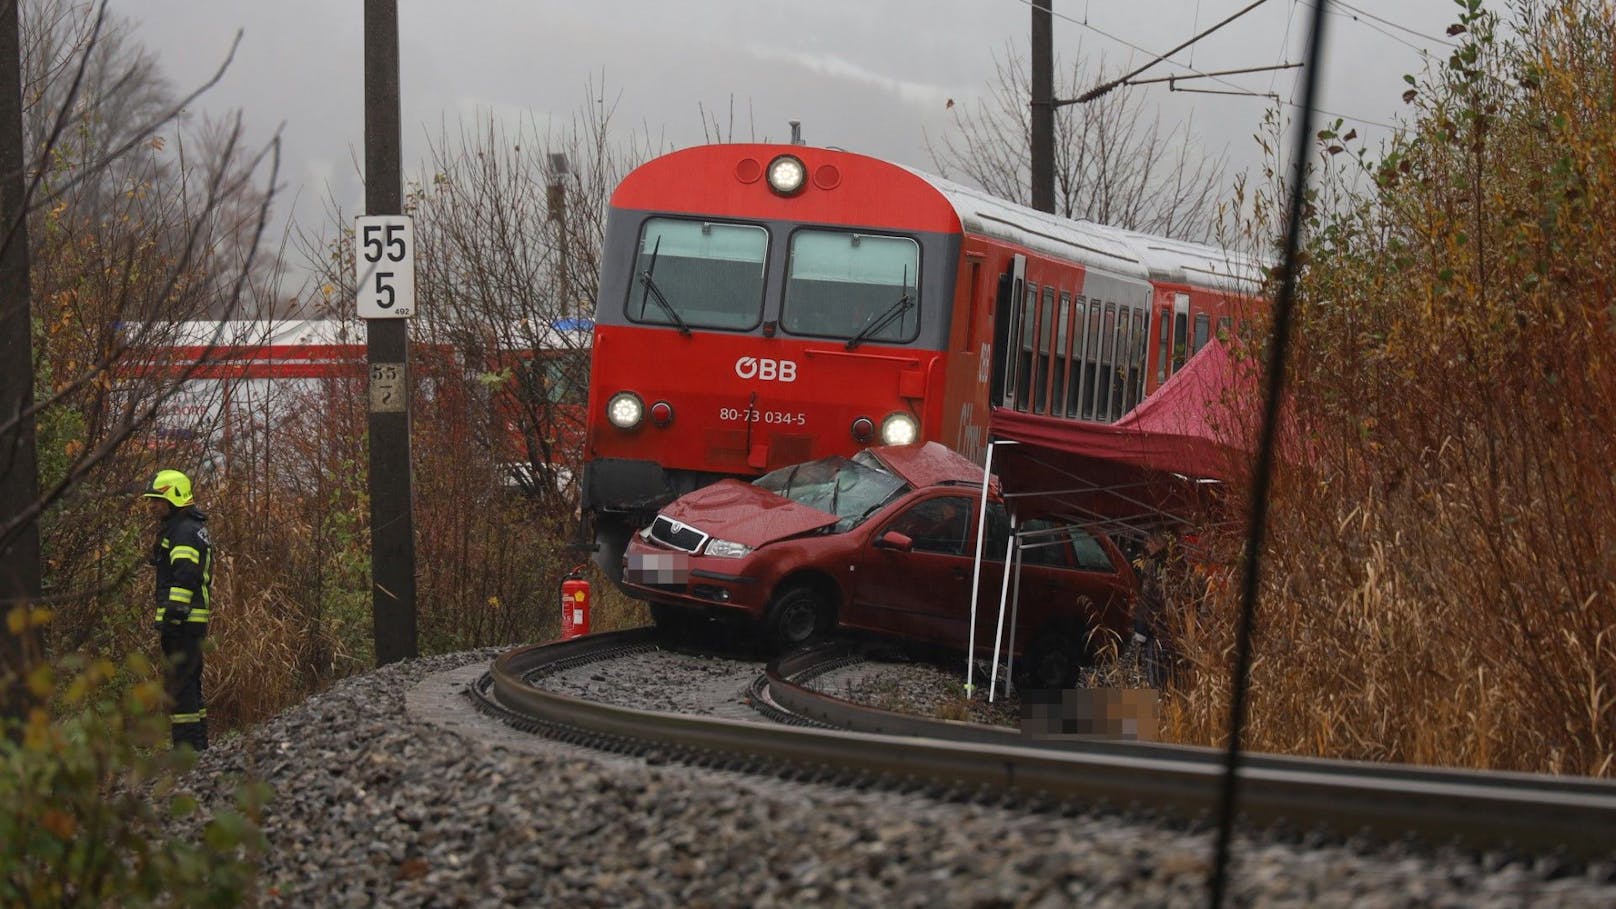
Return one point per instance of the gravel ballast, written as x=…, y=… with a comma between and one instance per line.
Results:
x=389, y=791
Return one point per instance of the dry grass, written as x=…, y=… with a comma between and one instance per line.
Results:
x=1440, y=576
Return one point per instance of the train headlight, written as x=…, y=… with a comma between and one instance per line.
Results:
x=899, y=429
x=787, y=174
x=725, y=549
x=625, y=410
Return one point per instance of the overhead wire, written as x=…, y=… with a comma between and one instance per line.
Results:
x=1235, y=89
x=1387, y=22
x=1363, y=19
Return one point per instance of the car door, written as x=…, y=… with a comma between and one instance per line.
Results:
x=923, y=592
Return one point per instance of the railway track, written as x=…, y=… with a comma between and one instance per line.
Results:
x=819, y=736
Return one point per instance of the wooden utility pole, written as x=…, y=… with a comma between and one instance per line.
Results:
x=1043, y=107
x=392, y=520
x=19, y=467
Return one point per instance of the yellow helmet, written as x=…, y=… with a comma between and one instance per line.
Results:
x=171, y=485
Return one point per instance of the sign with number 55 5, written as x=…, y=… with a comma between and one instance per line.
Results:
x=384, y=266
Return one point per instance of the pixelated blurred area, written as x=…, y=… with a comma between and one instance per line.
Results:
x=1090, y=713
x=657, y=568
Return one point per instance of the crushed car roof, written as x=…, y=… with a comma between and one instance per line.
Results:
x=930, y=464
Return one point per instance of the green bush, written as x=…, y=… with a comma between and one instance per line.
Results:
x=93, y=816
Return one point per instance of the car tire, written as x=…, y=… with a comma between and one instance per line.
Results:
x=796, y=617
x=1054, y=659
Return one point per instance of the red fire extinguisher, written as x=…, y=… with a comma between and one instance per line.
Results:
x=574, y=605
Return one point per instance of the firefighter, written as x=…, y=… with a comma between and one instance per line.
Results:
x=183, y=557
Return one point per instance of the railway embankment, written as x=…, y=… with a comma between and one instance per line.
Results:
x=390, y=790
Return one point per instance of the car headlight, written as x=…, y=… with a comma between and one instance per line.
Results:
x=899, y=429
x=625, y=410
x=786, y=174
x=725, y=549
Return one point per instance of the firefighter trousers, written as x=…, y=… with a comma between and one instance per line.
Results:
x=188, y=719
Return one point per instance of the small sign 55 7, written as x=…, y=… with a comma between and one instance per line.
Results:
x=384, y=266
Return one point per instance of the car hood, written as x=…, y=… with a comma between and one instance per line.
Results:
x=743, y=513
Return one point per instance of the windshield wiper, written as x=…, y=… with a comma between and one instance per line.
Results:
x=655, y=292
x=903, y=305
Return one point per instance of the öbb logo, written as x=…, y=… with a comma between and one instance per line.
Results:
x=766, y=369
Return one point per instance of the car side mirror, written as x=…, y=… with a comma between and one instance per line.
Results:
x=895, y=540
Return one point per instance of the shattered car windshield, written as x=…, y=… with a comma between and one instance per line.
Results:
x=851, y=489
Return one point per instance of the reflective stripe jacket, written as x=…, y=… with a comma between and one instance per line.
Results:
x=183, y=555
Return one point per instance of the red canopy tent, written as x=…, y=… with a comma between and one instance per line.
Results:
x=1155, y=464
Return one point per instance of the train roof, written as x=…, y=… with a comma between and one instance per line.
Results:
x=1128, y=252
x=1185, y=262
x=982, y=213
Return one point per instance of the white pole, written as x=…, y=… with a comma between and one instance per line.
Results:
x=1015, y=607
x=976, y=574
x=1011, y=545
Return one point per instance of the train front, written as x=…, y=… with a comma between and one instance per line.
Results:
x=760, y=305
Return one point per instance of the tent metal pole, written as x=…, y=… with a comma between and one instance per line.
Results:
x=1011, y=545
x=976, y=570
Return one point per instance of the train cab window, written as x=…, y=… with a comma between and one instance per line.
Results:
x=1203, y=330
x=841, y=284
x=701, y=274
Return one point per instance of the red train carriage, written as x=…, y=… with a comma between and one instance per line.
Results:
x=248, y=375
x=762, y=305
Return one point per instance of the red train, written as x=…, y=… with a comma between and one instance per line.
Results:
x=226, y=379
x=762, y=305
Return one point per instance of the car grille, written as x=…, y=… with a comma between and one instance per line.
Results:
x=680, y=536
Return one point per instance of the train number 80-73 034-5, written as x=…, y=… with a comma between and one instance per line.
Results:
x=769, y=417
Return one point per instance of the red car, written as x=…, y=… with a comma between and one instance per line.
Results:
x=883, y=541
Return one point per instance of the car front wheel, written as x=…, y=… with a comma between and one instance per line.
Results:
x=797, y=615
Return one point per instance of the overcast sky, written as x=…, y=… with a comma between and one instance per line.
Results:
x=866, y=75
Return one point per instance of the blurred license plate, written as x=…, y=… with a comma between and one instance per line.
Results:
x=657, y=568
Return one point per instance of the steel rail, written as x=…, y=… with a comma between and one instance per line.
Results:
x=1573, y=817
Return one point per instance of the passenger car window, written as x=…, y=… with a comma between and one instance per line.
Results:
x=936, y=525
x=1042, y=543
x=1091, y=556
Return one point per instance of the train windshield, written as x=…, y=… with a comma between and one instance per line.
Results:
x=702, y=274
x=842, y=284
x=851, y=489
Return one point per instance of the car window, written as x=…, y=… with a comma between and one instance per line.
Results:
x=936, y=525
x=1043, y=542
x=1091, y=556
x=849, y=489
